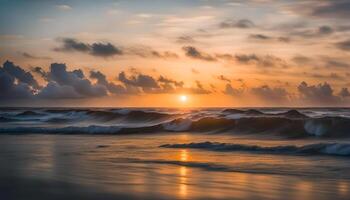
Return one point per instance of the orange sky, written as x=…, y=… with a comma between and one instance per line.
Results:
x=218, y=53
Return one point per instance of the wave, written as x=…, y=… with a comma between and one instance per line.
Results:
x=329, y=127
x=287, y=114
x=290, y=124
x=338, y=149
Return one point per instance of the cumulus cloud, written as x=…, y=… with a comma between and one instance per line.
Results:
x=150, y=84
x=111, y=87
x=95, y=49
x=267, y=93
x=242, y=23
x=12, y=87
x=19, y=74
x=193, y=52
x=322, y=93
x=70, y=84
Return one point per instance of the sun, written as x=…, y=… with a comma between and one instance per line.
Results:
x=183, y=98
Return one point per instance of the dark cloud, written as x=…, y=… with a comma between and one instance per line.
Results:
x=105, y=50
x=149, y=84
x=111, y=87
x=164, y=55
x=259, y=37
x=324, y=9
x=30, y=56
x=70, y=44
x=74, y=82
x=242, y=23
x=193, y=52
x=12, y=89
x=20, y=75
x=267, y=93
x=54, y=90
x=321, y=93
x=343, y=45
x=95, y=49
x=145, y=82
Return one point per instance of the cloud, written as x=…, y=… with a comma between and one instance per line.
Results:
x=149, y=84
x=321, y=93
x=73, y=82
x=334, y=9
x=343, y=45
x=193, y=52
x=30, y=56
x=223, y=78
x=332, y=76
x=199, y=89
x=11, y=87
x=111, y=87
x=229, y=90
x=311, y=33
x=259, y=37
x=262, y=61
x=54, y=90
x=95, y=49
x=185, y=39
x=262, y=37
x=242, y=23
x=164, y=55
x=267, y=93
x=145, y=82
x=19, y=74
x=147, y=52
x=104, y=50
x=326, y=9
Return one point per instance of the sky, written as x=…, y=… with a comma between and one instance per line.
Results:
x=143, y=53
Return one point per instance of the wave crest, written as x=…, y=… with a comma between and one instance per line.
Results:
x=339, y=149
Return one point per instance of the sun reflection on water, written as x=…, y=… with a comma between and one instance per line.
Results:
x=184, y=155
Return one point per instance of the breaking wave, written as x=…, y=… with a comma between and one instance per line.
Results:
x=338, y=149
x=290, y=123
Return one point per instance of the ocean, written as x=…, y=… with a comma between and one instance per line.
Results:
x=169, y=153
